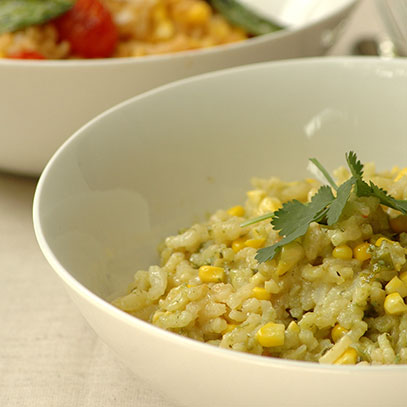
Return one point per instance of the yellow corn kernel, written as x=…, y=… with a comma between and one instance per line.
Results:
x=382, y=239
x=198, y=13
x=337, y=332
x=261, y=293
x=211, y=274
x=237, y=210
x=395, y=285
x=394, y=304
x=349, y=357
x=343, y=252
x=291, y=254
x=269, y=204
x=401, y=174
x=229, y=328
x=399, y=223
x=271, y=334
x=403, y=277
x=361, y=252
x=238, y=244
x=255, y=243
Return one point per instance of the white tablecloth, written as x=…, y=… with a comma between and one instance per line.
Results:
x=48, y=354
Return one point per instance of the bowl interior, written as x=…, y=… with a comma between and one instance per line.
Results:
x=164, y=159
x=293, y=13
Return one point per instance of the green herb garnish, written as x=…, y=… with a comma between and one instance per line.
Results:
x=293, y=219
x=240, y=15
x=18, y=14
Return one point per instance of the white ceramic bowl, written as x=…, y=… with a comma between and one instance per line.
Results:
x=44, y=102
x=159, y=161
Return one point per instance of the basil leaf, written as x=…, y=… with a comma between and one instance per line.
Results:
x=18, y=14
x=236, y=13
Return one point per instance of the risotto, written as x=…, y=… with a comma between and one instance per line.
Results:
x=334, y=295
x=123, y=28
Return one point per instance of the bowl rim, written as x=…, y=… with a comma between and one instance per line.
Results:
x=148, y=328
x=261, y=39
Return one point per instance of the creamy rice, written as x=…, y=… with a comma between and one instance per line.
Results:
x=335, y=295
x=145, y=27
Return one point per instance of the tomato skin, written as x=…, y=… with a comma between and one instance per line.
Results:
x=26, y=55
x=89, y=28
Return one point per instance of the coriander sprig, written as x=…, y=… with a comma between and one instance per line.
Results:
x=293, y=218
x=325, y=173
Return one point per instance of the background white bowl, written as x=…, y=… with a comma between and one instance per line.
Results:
x=44, y=102
x=158, y=162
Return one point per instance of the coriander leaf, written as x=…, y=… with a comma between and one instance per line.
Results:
x=324, y=172
x=388, y=200
x=356, y=169
x=362, y=188
x=355, y=166
x=267, y=253
x=287, y=218
x=18, y=14
x=401, y=205
x=342, y=196
x=294, y=214
x=294, y=218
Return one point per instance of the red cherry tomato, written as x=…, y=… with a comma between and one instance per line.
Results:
x=26, y=55
x=89, y=28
